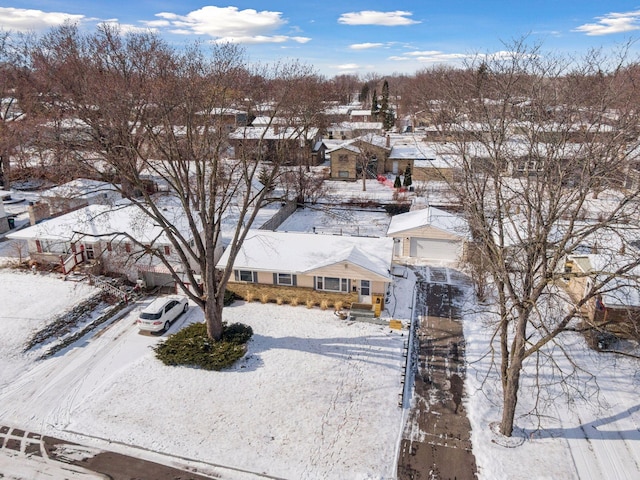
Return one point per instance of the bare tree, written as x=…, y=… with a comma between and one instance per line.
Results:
x=150, y=112
x=535, y=138
x=13, y=75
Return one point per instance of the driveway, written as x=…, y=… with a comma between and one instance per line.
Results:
x=436, y=442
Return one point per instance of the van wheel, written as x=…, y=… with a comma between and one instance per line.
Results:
x=167, y=324
x=186, y=307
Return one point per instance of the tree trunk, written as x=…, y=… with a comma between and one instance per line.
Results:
x=511, y=384
x=213, y=316
x=510, y=398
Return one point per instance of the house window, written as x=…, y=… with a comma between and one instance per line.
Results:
x=88, y=249
x=343, y=174
x=285, y=279
x=365, y=288
x=109, y=247
x=246, y=276
x=332, y=284
x=127, y=247
x=167, y=250
x=343, y=158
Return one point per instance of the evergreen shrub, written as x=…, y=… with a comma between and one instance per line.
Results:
x=191, y=347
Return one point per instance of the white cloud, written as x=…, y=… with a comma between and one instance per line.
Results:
x=228, y=24
x=262, y=39
x=365, y=46
x=612, y=23
x=432, y=56
x=126, y=28
x=157, y=23
x=25, y=20
x=225, y=21
x=347, y=66
x=372, y=17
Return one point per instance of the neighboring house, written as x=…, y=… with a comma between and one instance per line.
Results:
x=328, y=263
x=619, y=304
x=428, y=234
x=268, y=143
x=100, y=237
x=348, y=158
x=79, y=193
x=343, y=162
x=228, y=118
x=349, y=130
x=436, y=165
x=360, y=115
x=402, y=156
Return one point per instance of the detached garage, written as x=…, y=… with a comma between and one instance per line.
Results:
x=428, y=234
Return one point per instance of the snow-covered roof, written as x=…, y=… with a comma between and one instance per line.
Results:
x=79, y=188
x=264, y=120
x=105, y=222
x=355, y=126
x=345, y=146
x=360, y=113
x=223, y=111
x=403, y=151
x=429, y=216
x=273, y=133
x=381, y=141
x=300, y=253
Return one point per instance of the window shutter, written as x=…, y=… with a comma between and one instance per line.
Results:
x=275, y=278
x=254, y=277
x=236, y=275
x=294, y=280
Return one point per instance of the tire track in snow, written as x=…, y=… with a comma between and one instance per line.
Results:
x=598, y=456
x=48, y=394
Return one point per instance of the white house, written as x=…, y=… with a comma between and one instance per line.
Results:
x=103, y=236
x=429, y=234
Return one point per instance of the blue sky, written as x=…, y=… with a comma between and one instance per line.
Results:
x=356, y=36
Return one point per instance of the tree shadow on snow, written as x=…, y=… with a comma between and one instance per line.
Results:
x=595, y=430
x=386, y=353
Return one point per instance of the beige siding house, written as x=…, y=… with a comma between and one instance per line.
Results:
x=328, y=263
x=428, y=234
x=618, y=307
x=344, y=161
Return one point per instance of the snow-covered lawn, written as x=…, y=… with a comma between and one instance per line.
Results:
x=28, y=303
x=337, y=221
x=588, y=428
x=316, y=397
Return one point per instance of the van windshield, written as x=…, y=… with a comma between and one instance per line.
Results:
x=150, y=316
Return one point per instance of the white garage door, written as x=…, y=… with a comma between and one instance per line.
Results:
x=447, y=250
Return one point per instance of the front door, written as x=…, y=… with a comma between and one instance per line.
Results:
x=365, y=291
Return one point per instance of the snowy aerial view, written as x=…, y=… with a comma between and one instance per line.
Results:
x=314, y=397
x=287, y=242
